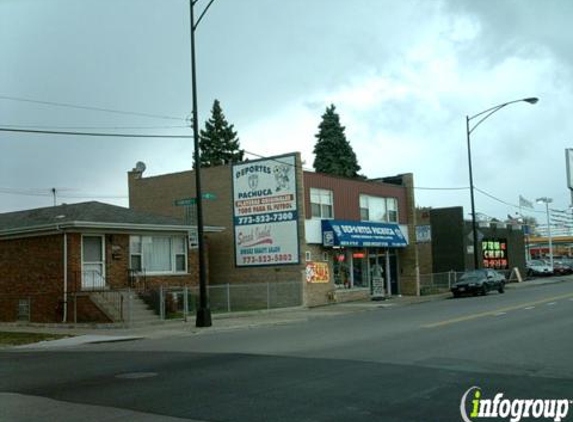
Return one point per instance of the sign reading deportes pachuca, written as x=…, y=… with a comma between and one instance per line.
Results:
x=265, y=212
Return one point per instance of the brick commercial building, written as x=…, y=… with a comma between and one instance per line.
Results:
x=445, y=243
x=63, y=263
x=340, y=239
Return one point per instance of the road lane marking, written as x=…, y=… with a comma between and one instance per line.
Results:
x=496, y=311
x=552, y=303
x=500, y=314
x=533, y=307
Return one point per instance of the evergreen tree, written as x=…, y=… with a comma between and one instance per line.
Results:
x=333, y=153
x=218, y=141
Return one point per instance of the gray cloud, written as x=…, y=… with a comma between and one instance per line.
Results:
x=403, y=75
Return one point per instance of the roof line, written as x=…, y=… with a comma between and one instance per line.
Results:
x=101, y=225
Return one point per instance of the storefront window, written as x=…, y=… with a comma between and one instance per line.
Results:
x=340, y=267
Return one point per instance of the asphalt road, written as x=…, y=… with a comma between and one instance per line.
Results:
x=411, y=363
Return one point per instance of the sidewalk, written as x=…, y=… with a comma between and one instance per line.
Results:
x=87, y=334
x=231, y=321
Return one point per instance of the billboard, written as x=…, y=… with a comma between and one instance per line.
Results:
x=265, y=212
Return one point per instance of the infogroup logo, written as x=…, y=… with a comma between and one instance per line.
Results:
x=513, y=409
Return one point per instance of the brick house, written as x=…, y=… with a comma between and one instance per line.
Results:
x=64, y=260
x=322, y=201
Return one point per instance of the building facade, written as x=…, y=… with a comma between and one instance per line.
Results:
x=69, y=263
x=267, y=206
x=445, y=243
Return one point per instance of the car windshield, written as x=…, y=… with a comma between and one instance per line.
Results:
x=473, y=275
x=536, y=262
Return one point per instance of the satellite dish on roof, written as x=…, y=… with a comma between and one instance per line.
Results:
x=140, y=166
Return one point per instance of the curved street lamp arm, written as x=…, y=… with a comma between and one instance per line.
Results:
x=202, y=13
x=494, y=109
x=491, y=111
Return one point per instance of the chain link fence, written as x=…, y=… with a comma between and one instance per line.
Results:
x=436, y=283
x=176, y=302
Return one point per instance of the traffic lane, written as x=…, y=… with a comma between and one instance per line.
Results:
x=333, y=332
x=232, y=387
x=526, y=341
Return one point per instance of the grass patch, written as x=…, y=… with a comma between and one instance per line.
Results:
x=16, y=339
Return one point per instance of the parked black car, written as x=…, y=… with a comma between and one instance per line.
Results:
x=479, y=282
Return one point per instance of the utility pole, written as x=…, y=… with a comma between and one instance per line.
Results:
x=203, y=311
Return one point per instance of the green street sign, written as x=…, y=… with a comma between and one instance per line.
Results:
x=184, y=202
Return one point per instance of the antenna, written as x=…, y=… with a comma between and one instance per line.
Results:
x=54, y=193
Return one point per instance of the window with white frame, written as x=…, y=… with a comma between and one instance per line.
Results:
x=321, y=203
x=378, y=209
x=158, y=254
x=392, y=207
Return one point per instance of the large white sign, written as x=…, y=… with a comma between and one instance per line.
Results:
x=265, y=212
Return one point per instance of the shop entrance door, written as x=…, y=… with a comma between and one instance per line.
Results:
x=376, y=266
x=382, y=263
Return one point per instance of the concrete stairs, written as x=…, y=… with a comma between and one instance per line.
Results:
x=136, y=311
x=124, y=306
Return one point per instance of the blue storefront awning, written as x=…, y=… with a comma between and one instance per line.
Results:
x=362, y=234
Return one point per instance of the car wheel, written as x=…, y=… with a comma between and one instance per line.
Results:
x=456, y=294
x=501, y=288
x=483, y=291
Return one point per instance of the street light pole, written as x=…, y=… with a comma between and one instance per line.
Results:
x=203, y=311
x=484, y=115
x=474, y=224
x=547, y=201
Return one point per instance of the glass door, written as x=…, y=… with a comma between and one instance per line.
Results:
x=93, y=263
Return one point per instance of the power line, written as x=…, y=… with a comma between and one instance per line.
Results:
x=502, y=201
x=93, y=127
x=84, y=107
x=97, y=134
x=49, y=192
x=428, y=188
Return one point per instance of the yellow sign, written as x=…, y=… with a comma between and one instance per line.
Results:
x=317, y=272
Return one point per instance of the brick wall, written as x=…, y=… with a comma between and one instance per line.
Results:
x=346, y=194
x=156, y=194
x=408, y=257
x=117, y=265
x=424, y=248
x=32, y=269
x=315, y=294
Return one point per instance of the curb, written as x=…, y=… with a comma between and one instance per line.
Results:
x=78, y=341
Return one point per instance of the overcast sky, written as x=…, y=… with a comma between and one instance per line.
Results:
x=403, y=75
